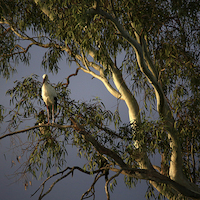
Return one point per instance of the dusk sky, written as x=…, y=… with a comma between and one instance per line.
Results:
x=83, y=88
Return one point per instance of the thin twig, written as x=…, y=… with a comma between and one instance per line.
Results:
x=97, y=177
x=84, y=61
x=59, y=179
x=75, y=74
x=108, y=181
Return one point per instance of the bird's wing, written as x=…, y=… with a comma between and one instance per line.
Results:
x=48, y=93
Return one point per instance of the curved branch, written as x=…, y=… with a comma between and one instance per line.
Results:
x=108, y=181
x=92, y=186
x=106, y=83
x=71, y=171
x=75, y=74
x=122, y=88
x=139, y=54
x=141, y=40
x=53, y=184
x=101, y=76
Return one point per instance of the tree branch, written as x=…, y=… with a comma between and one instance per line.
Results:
x=101, y=75
x=100, y=148
x=139, y=54
x=122, y=88
x=143, y=43
x=114, y=92
x=146, y=174
x=75, y=74
x=71, y=171
x=153, y=175
x=175, y=171
x=34, y=127
x=19, y=52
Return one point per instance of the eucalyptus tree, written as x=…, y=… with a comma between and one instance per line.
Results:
x=159, y=42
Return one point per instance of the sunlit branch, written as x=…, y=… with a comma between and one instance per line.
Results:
x=175, y=170
x=143, y=42
x=85, y=61
x=101, y=75
x=139, y=54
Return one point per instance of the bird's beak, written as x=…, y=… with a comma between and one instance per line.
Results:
x=44, y=79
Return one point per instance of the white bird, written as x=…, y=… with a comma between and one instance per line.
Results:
x=49, y=96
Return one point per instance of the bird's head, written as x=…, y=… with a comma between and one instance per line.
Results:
x=45, y=78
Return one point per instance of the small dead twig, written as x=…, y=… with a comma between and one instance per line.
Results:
x=108, y=181
x=75, y=74
x=91, y=189
x=71, y=171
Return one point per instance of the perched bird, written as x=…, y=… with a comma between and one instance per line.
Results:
x=49, y=97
